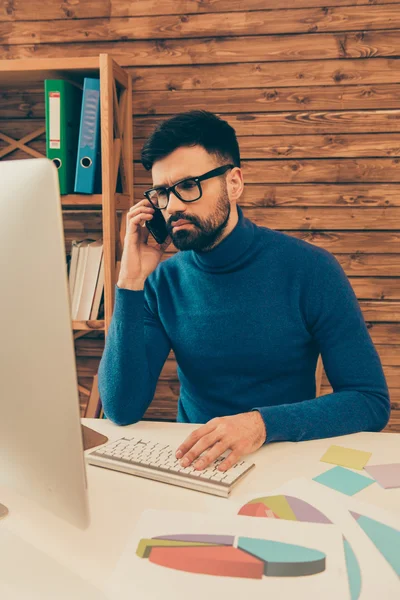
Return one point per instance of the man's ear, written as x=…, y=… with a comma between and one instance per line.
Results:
x=235, y=183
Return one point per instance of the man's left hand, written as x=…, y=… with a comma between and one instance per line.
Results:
x=243, y=434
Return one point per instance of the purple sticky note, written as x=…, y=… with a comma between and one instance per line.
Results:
x=388, y=476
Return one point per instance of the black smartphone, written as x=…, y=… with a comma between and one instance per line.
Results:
x=158, y=227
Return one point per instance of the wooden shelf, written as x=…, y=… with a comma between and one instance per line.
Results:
x=122, y=201
x=116, y=160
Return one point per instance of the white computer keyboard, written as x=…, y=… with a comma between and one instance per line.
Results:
x=156, y=460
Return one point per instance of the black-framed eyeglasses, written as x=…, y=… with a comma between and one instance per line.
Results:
x=187, y=190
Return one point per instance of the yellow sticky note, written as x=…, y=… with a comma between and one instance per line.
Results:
x=346, y=457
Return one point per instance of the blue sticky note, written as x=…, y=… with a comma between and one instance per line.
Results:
x=343, y=480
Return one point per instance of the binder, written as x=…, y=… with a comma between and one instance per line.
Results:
x=88, y=155
x=63, y=101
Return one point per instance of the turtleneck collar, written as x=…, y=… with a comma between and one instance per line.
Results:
x=231, y=251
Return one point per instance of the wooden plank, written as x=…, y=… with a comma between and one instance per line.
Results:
x=389, y=355
x=309, y=146
x=248, y=23
x=384, y=333
x=332, y=195
x=213, y=50
x=380, y=265
x=299, y=123
x=270, y=99
x=362, y=145
x=33, y=10
x=350, y=97
x=354, y=242
x=376, y=288
x=126, y=8
x=317, y=194
x=272, y=124
x=380, y=311
x=337, y=72
x=329, y=218
x=334, y=170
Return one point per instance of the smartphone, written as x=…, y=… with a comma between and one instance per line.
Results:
x=158, y=227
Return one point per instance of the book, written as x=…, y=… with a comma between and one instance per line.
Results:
x=94, y=313
x=73, y=263
x=79, y=278
x=91, y=268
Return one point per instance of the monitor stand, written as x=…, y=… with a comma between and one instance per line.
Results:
x=90, y=439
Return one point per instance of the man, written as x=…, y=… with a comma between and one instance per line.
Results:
x=246, y=309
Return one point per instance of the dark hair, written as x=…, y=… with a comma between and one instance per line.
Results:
x=196, y=127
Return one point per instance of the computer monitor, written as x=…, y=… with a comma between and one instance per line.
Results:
x=41, y=446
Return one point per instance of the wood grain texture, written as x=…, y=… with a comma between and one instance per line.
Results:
x=313, y=93
x=192, y=51
x=249, y=23
x=35, y=10
x=300, y=73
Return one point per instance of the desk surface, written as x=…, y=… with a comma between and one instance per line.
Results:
x=117, y=499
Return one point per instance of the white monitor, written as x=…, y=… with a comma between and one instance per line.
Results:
x=41, y=446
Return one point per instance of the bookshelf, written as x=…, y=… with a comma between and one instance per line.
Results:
x=116, y=159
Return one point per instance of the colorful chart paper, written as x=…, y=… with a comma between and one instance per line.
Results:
x=250, y=557
x=346, y=457
x=344, y=480
x=388, y=476
x=283, y=507
x=303, y=511
x=371, y=535
x=385, y=538
x=207, y=556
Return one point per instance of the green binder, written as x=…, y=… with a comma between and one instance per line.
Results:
x=63, y=102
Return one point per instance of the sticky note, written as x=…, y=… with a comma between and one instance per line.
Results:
x=343, y=480
x=346, y=457
x=388, y=476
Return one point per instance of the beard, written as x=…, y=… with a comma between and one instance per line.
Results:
x=205, y=234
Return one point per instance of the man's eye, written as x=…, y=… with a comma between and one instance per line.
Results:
x=187, y=185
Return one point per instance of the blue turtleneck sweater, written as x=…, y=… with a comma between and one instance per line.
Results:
x=247, y=322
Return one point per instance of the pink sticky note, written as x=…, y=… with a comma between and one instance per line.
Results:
x=388, y=476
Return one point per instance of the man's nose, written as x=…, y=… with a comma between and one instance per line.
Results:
x=175, y=204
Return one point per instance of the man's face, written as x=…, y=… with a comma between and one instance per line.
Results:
x=208, y=216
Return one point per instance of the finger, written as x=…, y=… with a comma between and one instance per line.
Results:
x=204, y=442
x=134, y=220
x=230, y=460
x=139, y=210
x=193, y=438
x=209, y=457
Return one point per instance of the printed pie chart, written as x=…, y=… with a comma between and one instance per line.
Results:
x=231, y=556
x=295, y=509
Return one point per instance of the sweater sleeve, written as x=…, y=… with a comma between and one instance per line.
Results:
x=135, y=351
x=360, y=398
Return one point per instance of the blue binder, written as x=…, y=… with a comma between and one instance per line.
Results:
x=88, y=156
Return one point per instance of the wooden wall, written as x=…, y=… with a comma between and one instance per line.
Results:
x=312, y=89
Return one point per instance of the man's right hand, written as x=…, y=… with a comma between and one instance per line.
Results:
x=138, y=258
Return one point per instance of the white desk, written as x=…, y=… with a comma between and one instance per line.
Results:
x=117, y=499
